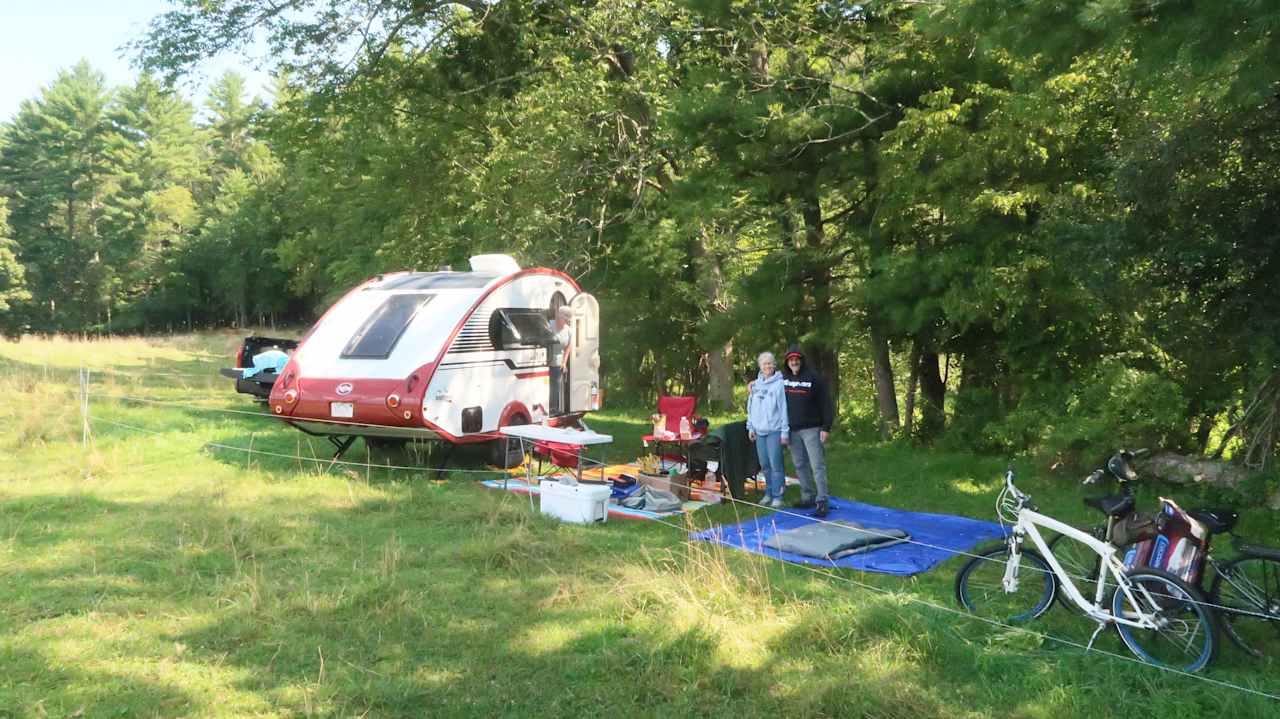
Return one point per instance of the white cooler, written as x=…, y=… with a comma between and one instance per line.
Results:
x=581, y=503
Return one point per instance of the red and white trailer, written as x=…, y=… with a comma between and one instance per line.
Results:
x=447, y=356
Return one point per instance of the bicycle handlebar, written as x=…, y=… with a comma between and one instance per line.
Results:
x=1008, y=483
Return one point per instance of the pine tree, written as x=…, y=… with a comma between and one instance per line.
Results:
x=170, y=168
x=13, y=286
x=62, y=165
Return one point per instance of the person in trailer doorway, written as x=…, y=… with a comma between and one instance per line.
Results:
x=558, y=356
x=767, y=426
x=810, y=414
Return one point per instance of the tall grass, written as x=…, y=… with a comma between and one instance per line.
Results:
x=151, y=574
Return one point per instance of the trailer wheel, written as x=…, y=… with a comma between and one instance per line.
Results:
x=384, y=444
x=505, y=452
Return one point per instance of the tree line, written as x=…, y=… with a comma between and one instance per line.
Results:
x=1034, y=225
x=127, y=210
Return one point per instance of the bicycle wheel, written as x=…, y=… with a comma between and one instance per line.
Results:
x=1248, y=594
x=1183, y=636
x=1080, y=562
x=980, y=586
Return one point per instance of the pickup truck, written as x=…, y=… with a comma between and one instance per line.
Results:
x=257, y=383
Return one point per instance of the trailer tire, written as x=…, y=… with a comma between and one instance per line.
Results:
x=384, y=444
x=505, y=452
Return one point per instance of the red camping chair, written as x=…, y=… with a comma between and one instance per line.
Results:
x=675, y=408
x=566, y=457
x=559, y=454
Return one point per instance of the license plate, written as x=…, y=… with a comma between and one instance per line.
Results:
x=345, y=410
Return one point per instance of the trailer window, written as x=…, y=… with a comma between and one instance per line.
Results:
x=382, y=330
x=519, y=327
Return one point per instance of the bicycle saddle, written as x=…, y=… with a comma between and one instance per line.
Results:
x=1112, y=505
x=1216, y=521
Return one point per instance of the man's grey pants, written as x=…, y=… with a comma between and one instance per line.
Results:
x=810, y=458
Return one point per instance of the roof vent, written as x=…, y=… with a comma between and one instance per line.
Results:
x=496, y=264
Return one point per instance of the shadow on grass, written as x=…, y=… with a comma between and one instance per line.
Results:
x=451, y=601
x=323, y=595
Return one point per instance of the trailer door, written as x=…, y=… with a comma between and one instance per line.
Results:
x=584, y=358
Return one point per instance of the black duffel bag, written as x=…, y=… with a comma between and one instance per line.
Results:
x=1134, y=528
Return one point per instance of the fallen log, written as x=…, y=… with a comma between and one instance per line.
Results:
x=1183, y=469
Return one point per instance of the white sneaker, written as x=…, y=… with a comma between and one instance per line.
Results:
x=776, y=503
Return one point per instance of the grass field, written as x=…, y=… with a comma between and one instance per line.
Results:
x=159, y=572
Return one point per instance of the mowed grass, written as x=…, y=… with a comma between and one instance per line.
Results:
x=160, y=571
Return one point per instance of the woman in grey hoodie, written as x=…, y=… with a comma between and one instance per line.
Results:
x=767, y=426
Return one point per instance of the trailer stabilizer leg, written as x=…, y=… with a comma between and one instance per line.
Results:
x=342, y=444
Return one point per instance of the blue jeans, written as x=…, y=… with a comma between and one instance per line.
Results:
x=555, y=407
x=769, y=452
x=810, y=458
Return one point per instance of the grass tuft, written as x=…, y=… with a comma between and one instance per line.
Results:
x=155, y=574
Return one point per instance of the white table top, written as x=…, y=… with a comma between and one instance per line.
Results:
x=538, y=432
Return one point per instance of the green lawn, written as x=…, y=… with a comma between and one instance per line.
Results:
x=152, y=574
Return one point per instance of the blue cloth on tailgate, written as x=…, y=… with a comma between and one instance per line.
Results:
x=274, y=360
x=934, y=537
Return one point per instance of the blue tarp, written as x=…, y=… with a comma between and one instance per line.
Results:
x=934, y=537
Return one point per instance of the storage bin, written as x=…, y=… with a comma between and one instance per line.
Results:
x=580, y=503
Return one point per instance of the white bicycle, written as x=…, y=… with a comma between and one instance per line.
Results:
x=1160, y=618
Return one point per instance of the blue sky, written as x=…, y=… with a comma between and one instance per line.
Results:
x=40, y=37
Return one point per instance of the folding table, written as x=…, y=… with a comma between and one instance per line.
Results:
x=530, y=433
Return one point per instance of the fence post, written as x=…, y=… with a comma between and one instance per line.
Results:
x=84, y=407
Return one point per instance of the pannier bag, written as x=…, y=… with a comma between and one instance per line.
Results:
x=1179, y=545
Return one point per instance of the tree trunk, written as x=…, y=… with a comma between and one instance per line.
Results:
x=908, y=415
x=886, y=393
x=826, y=357
x=1203, y=430
x=933, y=393
x=711, y=282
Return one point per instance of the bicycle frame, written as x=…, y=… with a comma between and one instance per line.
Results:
x=1028, y=525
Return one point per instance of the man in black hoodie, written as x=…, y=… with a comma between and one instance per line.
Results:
x=810, y=413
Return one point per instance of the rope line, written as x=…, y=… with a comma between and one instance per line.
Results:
x=300, y=458
x=265, y=415
x=1023, y=630
x=499, y=474
x=810, y=568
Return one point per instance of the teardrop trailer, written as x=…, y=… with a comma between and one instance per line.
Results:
x=443, y=356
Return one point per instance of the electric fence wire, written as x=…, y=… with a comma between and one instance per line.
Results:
x=995, y=623
x=984, y=557
x=810, y=568
x=47, y=369
x=501, y=473
x=971, y=555
x=261, y=415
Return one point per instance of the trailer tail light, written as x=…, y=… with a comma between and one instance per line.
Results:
x=291, y=396
x=279, y=409
x=240, y=356
x=408, y=414
x=393, y=400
